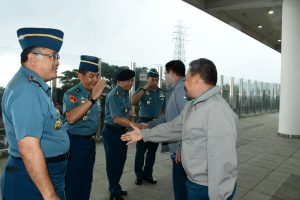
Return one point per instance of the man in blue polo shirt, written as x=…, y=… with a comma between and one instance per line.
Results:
x=38, y=144
x=81, y=106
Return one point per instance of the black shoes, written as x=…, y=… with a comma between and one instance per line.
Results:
x=138, y=181
x=150, y=180
x=116, y=198
x=123, y=193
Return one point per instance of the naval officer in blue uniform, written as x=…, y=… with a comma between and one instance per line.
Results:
x=38, y=144
x=117, y=120
x=81, y=107
x=151, y=101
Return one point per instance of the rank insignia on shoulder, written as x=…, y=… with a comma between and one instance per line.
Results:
x=72, y=99
x=147, y=93
x=117, y=93
x=32, y=79
x=77, y=90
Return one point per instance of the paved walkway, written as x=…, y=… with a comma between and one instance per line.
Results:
x=269, y=167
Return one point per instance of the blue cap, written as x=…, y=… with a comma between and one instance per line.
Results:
x=153, y=73
x=89, y=63
x=40, y=37
x=125, y=74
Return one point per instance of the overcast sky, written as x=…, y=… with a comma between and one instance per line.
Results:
x=124, y=31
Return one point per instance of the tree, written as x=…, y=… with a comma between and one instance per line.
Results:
x=69, y=79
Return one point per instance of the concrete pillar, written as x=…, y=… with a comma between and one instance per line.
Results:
x=289, y=118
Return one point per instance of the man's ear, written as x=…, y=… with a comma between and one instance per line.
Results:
x=79, y=76
x=31, y=58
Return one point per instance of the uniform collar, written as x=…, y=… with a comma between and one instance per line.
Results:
x=84, y=91
x=207, y=95
x=122, y=91
x=151, y=90
x=37, y=78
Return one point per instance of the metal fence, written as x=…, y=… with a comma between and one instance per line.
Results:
x=247, y=97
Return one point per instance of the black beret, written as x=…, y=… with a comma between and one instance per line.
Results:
x=125, y=74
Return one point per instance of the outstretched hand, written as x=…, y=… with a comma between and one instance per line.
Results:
x=132, y=136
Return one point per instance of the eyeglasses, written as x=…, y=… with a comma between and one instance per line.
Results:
x=52, y=56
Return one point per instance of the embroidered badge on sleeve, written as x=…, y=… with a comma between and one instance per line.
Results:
x=73, y=99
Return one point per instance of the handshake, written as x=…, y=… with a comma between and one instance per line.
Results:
x=142, y=125
x=134, y=135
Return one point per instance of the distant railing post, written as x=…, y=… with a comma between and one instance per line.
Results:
x=241, y=98
x=231, y=96
x=132, y=90
x=221, y=84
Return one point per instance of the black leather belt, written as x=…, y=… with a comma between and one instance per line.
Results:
x=148, y=118
x=115, y=127
x=58, y=158
x=90, y=137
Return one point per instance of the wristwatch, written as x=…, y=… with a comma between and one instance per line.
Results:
x=90, y=98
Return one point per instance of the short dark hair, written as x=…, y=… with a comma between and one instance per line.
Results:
x=83, y=72
x=206, y=69
x=25, y=52
x=176, y=66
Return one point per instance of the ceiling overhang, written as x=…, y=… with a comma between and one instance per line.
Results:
x=252, y=17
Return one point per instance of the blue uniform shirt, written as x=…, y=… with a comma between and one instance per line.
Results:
x=89, y=123
x=152, y=103
x=116, y=105
x=28, y=111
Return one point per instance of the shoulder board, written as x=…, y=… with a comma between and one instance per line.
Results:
x=76, y=90
x=33, y=80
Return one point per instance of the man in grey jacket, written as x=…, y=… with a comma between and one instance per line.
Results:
x=207, y=128
x=176, y=99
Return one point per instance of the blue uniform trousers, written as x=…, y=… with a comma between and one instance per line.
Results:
x=115, y=153
x=144, y=167
x=17, y=184
x=80, y=168
x=179, y=181
x=196, y=191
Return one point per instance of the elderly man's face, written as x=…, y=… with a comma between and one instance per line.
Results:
x=192, y=85
x=89, y=80
x=188, y=85
x=46, y=63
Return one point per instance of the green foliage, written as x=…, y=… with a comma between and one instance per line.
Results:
x=69, y=79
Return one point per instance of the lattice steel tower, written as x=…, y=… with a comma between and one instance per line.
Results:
x=180, y=39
